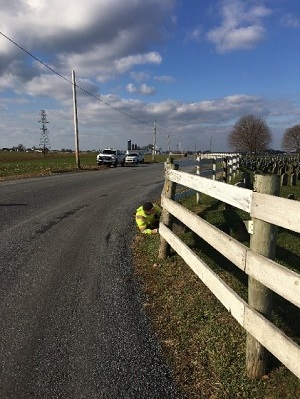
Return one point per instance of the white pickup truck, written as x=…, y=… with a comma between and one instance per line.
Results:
x=111, y=157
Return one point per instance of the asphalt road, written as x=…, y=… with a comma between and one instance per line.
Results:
x=72, y=324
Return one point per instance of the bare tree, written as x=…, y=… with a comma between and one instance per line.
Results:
x=291, y=139
x=250, y=134
x=21, y=147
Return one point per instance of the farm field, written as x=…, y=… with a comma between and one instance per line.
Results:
x=22, y=164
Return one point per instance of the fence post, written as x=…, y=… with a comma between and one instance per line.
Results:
x=198, y=172
x=225, y=167
x=262, y=241
x=234, y=167
x=166, y=218
x=230, y=170
x=214, y=173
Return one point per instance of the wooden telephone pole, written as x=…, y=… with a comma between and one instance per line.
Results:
x=154, y=142
x=75, y=121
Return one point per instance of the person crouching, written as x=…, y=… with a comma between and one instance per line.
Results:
x=147, y=218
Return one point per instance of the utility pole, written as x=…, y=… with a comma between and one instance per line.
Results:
x=44, y=140
x=75, y=121
x=169, y=146
x=154, y=142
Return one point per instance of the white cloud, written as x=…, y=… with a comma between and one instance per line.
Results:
x=99, y=124
x=131, y=88
x=236, y=38
x=108, y=42
x=290, y=20
x=139, y=76
x=241, y=26
x=124, y=64
x=102, y=63
x=95, y=35
x=143, y=89
x=194, y=34
x=147, y=90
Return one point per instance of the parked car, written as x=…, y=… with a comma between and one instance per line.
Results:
x=141, y=158
x=132, y=159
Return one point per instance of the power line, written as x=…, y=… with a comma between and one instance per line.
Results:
x=85, y=91
x=69, y=81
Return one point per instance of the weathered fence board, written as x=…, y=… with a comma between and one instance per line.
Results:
x=220, y=289
x=262, y=208
x=232, y=195
x=223, y=243
x=278, y=278
x=260, y=328
x=282, y=212
x=273, y=339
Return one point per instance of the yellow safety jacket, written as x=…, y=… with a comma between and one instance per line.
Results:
x=146, y=222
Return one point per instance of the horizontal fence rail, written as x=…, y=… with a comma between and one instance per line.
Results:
x=280, y=211
x=268, y=208
x=278, y=278
x=287, y=351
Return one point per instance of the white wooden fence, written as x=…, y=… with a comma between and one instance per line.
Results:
x=275, y=210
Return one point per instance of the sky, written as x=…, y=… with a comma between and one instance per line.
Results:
x=179, y=73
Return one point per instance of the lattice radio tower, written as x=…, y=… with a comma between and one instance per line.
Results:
x=44, y=141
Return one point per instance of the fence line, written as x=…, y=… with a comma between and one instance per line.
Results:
x=287, y=351
x=230, y=159
x=276, y=210
x=286, y=283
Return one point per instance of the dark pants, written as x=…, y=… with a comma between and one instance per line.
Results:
x=154, y=225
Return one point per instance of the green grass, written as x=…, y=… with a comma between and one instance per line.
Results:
x=16, y=164
x=203, y=343
x=22, y=164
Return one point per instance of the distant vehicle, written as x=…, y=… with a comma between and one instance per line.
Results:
x=134, y=158
x=141, y=158
x=111, y=157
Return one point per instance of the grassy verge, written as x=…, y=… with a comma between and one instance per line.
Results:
x=203, y=344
